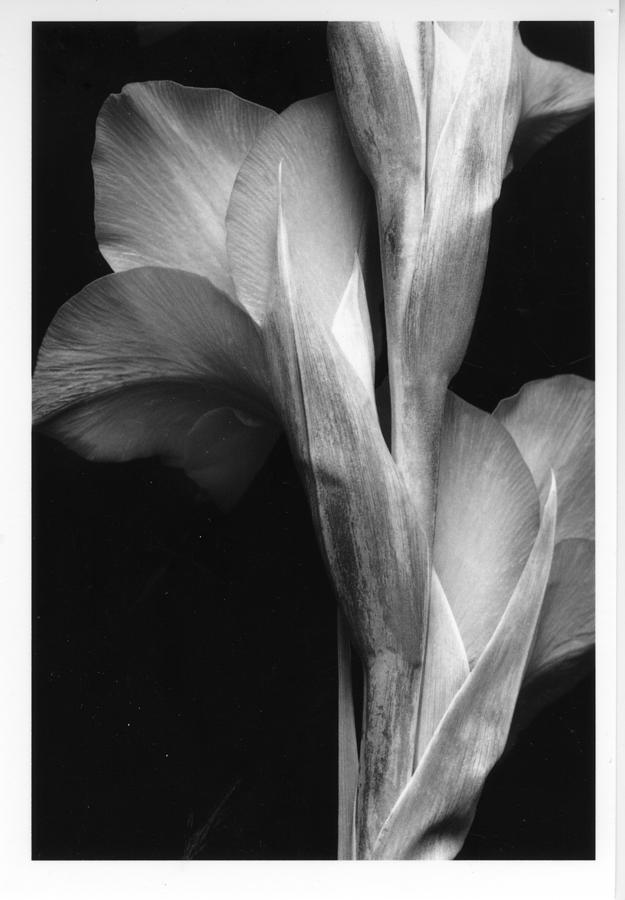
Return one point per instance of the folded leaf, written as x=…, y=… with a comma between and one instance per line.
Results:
x=465, y=181
x=382, y=88
x=164, y=163
x=446, y=666
x=450, y=64
x=352, y=329
x=487, y=519
x=552, y=423
x=433, y=814
x=367, y=525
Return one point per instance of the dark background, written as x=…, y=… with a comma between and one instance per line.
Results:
x=184, y=663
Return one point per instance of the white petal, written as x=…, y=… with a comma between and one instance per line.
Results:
x=164, y=163
x=133, y=362
x=566, y=630
x=487, y=519
x=552, y=423
x=325, y=199
x=555, y=96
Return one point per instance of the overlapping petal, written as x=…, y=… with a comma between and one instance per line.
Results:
x=552, y=423
x=164, y=163
x=555, y=96
x=566, y=629
x=133, y=365
x=487, y=520
x=306, y=156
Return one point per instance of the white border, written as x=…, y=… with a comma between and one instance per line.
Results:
x=19, y=876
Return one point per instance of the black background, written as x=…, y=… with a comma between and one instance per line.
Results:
x=184, y=663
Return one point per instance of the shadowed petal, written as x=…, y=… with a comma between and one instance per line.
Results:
x=223, y=453
x=564, y=649
x=555, y=96
x=552, y=423
x=487, y=519
x=136, y=359
x=325, y=199
x=566, y=629
x=164, y=163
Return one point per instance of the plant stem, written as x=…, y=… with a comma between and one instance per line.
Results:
x=390, y=714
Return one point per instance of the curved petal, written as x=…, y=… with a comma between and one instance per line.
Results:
x=164, y=163
x=563, y=652
x=486, y=521
x=566, y=629
x=305, y=156
x=223, y=453
x=555, y=96
x=132, y=366
x=552, y=423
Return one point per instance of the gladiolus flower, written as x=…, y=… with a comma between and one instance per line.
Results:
x=238, y=307
x=165, y=357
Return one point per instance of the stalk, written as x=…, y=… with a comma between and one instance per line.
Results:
x=390, y=716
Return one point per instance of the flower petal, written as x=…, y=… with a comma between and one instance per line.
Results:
x=223, y=453
x=487, y=519
x=136, y=359
x=555, y=96
x=325, y=199
x=433, y=814
x=552, y=423
x=565, y=637
x=566, y=629
x=164, y=163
